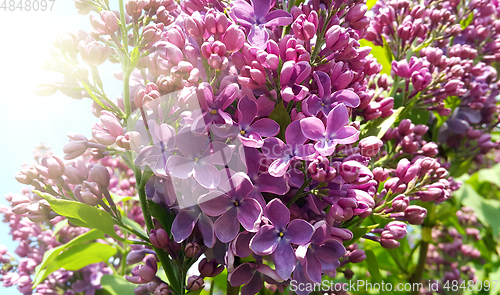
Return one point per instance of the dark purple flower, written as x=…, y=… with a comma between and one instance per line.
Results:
x=321, y=255
x=252, y=275
x=337, y=131
x=234, y=206
x=250, y=134
x=276, y=238
x=257, y=17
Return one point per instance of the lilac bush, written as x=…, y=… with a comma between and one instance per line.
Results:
x=267, y=145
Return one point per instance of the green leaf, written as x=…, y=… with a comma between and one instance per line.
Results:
x=486, y=210
x=118, y=198
x=418, y=116
x=59, y=226
x=372, y=265
x=83, y=215
x=78, y=257
x=134, y=225
x=134, y=59
x=116, y=285
x=383, y=55
x=359, y=232
x=280, y=115
x=371, y=3
x=379, y=126
x=467, y=21
x=491, y=175
x=52, y=254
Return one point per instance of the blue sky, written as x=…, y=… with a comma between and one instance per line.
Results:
x=27, y=118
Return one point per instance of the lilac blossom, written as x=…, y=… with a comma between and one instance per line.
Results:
x=257, y=16
x=282, y=154
x=234, y=206
x=292, y=74
x=253, y=275
x=275, y=239
x=336, y=131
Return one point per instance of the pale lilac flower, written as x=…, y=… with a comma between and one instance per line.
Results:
x=252, y=275
x=292, y=74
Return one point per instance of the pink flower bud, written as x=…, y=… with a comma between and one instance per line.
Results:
x=100, y=175
x=216, y=23
x=76, y=147
x=233, y=38
x=92, y=52
x=357, y=256
x=380, y=174
x=77, y=172
x=106, y=23
x=192, y=250
x=51, y=167
x=194, y=24
x=400, y=203
x=415, y=214
x=321, y=171
x=370, y=146
x=130, y=141
x=209, y=268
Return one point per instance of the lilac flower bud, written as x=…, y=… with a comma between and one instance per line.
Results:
x=380, y=174
x=415, y=214
x=364, y=199
x=401, y=68
x=397, y=229
x=387, y=107
x=151, y=34
x=135, y=256
x=431, y=194
x=76, y=147
x=209, y=268
x=192, y=250
x=452, y=85
x=90, y=193
x=26, y=176
x=20, y=204
x=357, y=256
x=51, y=167
x=253, y=76
x=304, y=28
x=159, y=238
x=92, y=52
x=195, y=283
x=404, y=31
x=194, y=24
x=421, y=79
x=420, y=129
x=130, y=141
x=134, y=8
x=216, y=23
x=387, y=241
x=393, y=184
x=402, y=167
x=430, y=149
x=145, y=95
x=352, y=170
x=100, y=175
x=76, y=173
x=400, y=203
x=356, y=17
x=342, y=210
x=161, y=289
x=233, y=38
x=370, y=146
x=320, y=170
x=106, y=23
x=141, y=290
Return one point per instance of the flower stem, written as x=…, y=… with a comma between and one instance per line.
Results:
x=419, y=271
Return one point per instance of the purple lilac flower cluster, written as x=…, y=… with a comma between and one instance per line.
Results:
x=252, y=131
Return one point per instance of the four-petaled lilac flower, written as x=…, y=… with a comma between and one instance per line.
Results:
x=292, y=74
x=156, y=155
x=187, y=218
x=233, y=205
x=276, y=238
x=257, y=17
x=282, y=153
x=250, y=134
x=199, y=158
x=253, y=275
x=212, y=109
x=336, y=132
x=325, y=101
x=321, y=255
